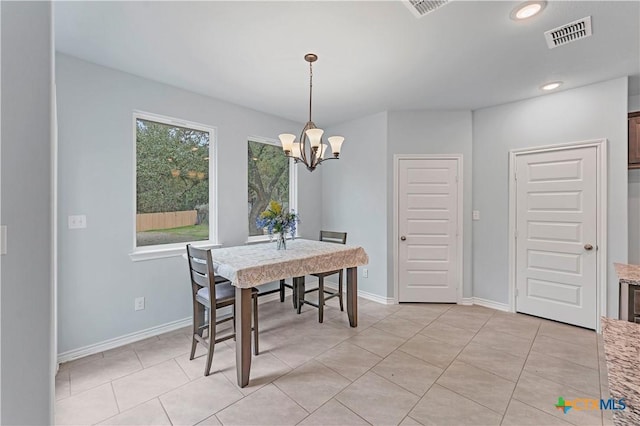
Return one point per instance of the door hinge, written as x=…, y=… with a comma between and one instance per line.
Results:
x=515, y=234
x=456, y=178
x=516, y=292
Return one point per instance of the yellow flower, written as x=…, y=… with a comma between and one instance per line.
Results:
x=275, y=207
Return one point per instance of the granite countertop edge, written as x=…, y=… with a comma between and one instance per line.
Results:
x=622, y=352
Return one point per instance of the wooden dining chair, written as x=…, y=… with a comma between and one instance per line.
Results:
x=210, y=293
x=324, y=294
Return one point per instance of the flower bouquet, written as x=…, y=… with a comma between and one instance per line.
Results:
x=276, y=220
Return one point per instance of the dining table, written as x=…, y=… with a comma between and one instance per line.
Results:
x=251, y=265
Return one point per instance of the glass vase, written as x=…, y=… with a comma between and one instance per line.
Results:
x=281, y=242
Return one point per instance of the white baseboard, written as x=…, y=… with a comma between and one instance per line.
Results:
x=491, y=304
x=174, y=325
x=466, y=301
x=364, y=294
x=376, y=298
x=122, y=340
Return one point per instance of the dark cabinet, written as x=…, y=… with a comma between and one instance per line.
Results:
x=629, y=302
x=634, y=140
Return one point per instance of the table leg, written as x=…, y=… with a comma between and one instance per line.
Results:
x=298, y=284
x=352, y=296
x=243, y=335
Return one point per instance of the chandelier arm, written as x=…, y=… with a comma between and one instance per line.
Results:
x=303, y=143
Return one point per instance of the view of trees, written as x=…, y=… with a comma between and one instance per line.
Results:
x=172, y=168
x=268, y=180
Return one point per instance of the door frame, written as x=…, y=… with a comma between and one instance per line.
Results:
x=601, y=219
x=459, y=227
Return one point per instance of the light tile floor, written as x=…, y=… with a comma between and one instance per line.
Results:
x=404, y=364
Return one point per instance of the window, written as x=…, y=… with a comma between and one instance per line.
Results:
x=271, y=177
x=174, y=185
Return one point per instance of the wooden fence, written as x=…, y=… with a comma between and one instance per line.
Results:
x=149, y=221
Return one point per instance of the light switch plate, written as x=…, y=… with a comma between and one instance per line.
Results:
x=77, y=221
x=139, y=303
x=476, y=215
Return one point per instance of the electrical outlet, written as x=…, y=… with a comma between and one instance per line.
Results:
x=476, y=215
x=77, y=221
x=365, y=272
x=139, y=303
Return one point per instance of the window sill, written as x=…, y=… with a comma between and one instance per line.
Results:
x=154, y=253
x=259, y=239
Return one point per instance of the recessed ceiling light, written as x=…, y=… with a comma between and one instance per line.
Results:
x=551, y=86
x=527, y=10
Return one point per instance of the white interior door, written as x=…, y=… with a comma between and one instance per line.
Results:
x=427, y=230
x=556, y=247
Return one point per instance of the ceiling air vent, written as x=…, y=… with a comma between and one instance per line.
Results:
x=422, y=7
x=568, y=33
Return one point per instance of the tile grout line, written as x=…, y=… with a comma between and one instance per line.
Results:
x=382, y=357
x=163, y=393
x=111, y=380
x=381, y=360
x=444, y=370
x=165, y=411
x=288, y=396
x=520, y=374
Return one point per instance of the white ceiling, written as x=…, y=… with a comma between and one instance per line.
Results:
x=373, y=56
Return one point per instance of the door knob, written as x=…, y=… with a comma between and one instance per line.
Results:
x=403, y=238
x=588, y=247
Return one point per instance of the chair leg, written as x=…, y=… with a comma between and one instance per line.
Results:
x=340, y=290
x=198, y=319
x=281, y=291
x=320, y=299
x=255, y=325
x=212, y=340
x=294, y=296
x=233, y=312
x=298, y=284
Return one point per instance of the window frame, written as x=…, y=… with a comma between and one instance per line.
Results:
x=159, y=251
x=293, y=186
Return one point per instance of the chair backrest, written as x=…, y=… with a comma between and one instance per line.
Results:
x=201, y=270
x=333, y=237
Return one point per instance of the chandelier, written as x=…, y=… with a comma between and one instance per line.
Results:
x=310, y=149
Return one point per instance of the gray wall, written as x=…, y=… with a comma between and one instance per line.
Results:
x=97, y=280
x=354, y=196
x=432, y=132
x=26, y=296
x=358, y=190
x=590, y=112
x=634, y=103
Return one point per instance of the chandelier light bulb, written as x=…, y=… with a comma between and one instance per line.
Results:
x=287, y=140
x=336, y=144
x=295, y=150
x=314, y=135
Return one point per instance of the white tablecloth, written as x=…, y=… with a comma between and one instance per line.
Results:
x=255, y=264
